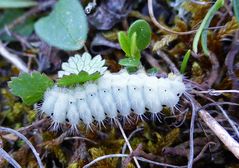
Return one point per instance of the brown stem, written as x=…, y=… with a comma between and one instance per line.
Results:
x=154, y=20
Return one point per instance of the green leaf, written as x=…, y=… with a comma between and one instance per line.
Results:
x=30, y=87
x=17, y=3
x=153, y=71
x=143, y=31
x=235, y=4
x=134, y=51
x=129, y=62
x=66, y=27
x=24, y=29
x=124, y=42
x=73, y=79
x=202, y=31
x=185, y=61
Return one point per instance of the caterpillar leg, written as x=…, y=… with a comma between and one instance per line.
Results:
x=156, y=116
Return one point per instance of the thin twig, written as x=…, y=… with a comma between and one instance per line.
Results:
x=213, y=92
x=200, y=2
x=202, y=151
x=130, y=136
x=4, y=129
x=172, y=66
x=152, y=61
x=154, y=20
x=34, y=125
x=8, y=158
x=127, y=142
x=191, y=140
x=216, y=104
x=126, y=155
x=216, y=128
x=230, y=64
x=13, y=58
x=214, y=71
x=223, y=112
x=158, y=163
x=80, y=138
x=230, y=121
x=104, y=157
x=136, y=152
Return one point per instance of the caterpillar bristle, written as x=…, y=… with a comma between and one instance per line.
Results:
x=113, y=96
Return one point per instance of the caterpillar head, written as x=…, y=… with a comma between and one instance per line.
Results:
x=170, y=100
x=165, y=93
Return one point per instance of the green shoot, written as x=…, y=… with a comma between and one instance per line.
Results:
x=202, y=31
x=185, y=61
x=137, y=39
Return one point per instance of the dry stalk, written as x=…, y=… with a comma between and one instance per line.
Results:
x=220, y=132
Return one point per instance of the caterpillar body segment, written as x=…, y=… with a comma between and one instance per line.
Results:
x=82, y=106
x=120, y=94
x=106, y=97
x=61, y=106
x=135, y=94
x=167, y=96
x=94, y=102
x=72, y=115
x=111, y=96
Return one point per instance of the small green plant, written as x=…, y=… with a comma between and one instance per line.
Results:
x=30, y=87
x=133, y=42
x=185, y=61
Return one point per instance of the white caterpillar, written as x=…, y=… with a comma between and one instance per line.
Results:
x=111, y=96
